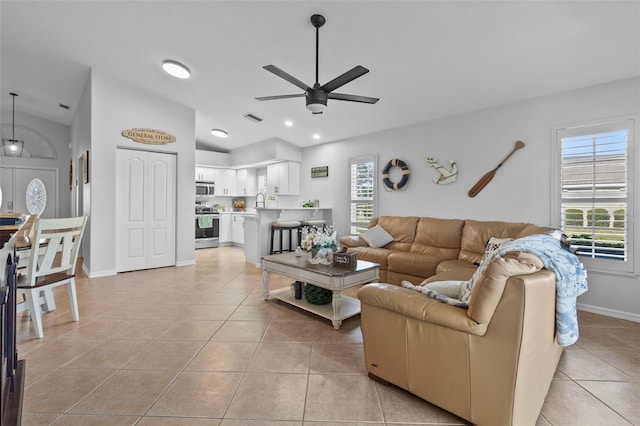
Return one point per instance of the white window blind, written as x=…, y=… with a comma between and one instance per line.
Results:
x=595, y=206
x=362, y=192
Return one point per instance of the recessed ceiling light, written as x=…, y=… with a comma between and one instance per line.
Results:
x=219, y=133
x=288, y=123
x=176, y=69
x=316, y=136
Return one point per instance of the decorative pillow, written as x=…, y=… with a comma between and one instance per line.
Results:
x=451, y=287
x=492, y=245
x=448, y=288
x=495, y=243
x=376, y=236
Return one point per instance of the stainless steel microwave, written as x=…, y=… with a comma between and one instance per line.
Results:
x=205, y=188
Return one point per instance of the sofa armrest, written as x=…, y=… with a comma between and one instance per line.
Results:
x=413, y=304
x=353, y=241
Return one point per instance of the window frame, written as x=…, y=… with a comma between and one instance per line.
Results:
x=374, y=202
x=627, y=122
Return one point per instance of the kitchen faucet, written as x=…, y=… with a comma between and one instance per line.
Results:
x=258, y=202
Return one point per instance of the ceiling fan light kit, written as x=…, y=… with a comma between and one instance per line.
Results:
x=317, y=96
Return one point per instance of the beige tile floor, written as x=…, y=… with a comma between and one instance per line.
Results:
x=197, y=345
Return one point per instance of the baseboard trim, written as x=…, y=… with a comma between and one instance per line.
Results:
x=99, y=274
x=629, y=316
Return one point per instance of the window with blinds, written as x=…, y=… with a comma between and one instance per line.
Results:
x=362, y=192
x=595, y=196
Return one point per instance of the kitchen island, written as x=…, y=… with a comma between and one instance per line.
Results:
x=232, y=227
x=258, y=228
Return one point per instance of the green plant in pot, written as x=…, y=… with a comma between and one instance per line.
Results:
x=317, y=295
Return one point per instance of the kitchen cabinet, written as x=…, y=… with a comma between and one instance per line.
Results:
x=226, y=230
x=247, y=182
x=205, y=174
x=283, y=178
x=225, y=180
x=237, y=229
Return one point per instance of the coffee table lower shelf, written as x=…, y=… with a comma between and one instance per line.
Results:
x=349, y=307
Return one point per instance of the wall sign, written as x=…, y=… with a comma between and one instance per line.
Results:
x=317, y=172
x=149, y=136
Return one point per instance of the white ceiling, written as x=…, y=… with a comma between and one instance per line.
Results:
x=428, y=59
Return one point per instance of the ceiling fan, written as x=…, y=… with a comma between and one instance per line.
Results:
x=317, y=95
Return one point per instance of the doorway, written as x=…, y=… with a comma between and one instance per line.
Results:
x=15, y=180
x=145, y=210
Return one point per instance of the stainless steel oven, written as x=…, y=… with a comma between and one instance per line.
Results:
x=207, y=229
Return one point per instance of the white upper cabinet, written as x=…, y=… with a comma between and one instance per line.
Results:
x=283, y=178
x=225, y=180
x=247, y=181
x=205, y=174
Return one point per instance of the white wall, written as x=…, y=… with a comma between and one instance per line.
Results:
x=117, y=106
x=59, y=135
x=478, y=141
x=81, y=142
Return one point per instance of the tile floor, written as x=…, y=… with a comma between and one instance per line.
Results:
x=198, y=346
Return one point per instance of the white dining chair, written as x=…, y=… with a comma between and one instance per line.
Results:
x=55, y=244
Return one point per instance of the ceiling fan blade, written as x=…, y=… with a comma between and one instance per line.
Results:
x=271, y=98
x=352, y=98
x=343, y=79
x=282, y=74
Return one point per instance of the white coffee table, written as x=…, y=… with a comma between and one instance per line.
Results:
x=332, y=278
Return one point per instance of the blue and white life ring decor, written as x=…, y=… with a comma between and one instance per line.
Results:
x=394, y=186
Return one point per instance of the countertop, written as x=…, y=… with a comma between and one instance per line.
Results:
x=293, y=208
x=239, y=213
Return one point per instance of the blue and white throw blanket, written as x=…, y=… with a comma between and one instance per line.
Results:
x=571, y=280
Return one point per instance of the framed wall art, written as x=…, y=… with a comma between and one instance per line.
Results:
x=85, y=167
x=318, y=172
x=70, y=175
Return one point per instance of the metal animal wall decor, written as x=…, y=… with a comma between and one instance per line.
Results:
x=446, y=176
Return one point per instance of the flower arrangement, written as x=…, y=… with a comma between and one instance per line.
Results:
x=319, y=238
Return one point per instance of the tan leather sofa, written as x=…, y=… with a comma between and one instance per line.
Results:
x=491, y=364
x=424, y=246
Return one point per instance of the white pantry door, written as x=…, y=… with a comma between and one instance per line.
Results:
x=146, y=210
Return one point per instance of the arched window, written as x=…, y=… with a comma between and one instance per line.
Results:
x=36, y=145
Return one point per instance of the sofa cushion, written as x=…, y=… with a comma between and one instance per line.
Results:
x=352, y=241
x=372, y=254
x=421, y=265
x=476, y=234
x=454, y=274
x=455, y=264
x=450, y=289
x=376, y=236
x=438, y=237
x=401, y=228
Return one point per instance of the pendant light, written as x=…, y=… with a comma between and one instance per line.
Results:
x=13, y=147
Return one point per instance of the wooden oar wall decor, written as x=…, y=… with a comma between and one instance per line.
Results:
x=484, y=180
